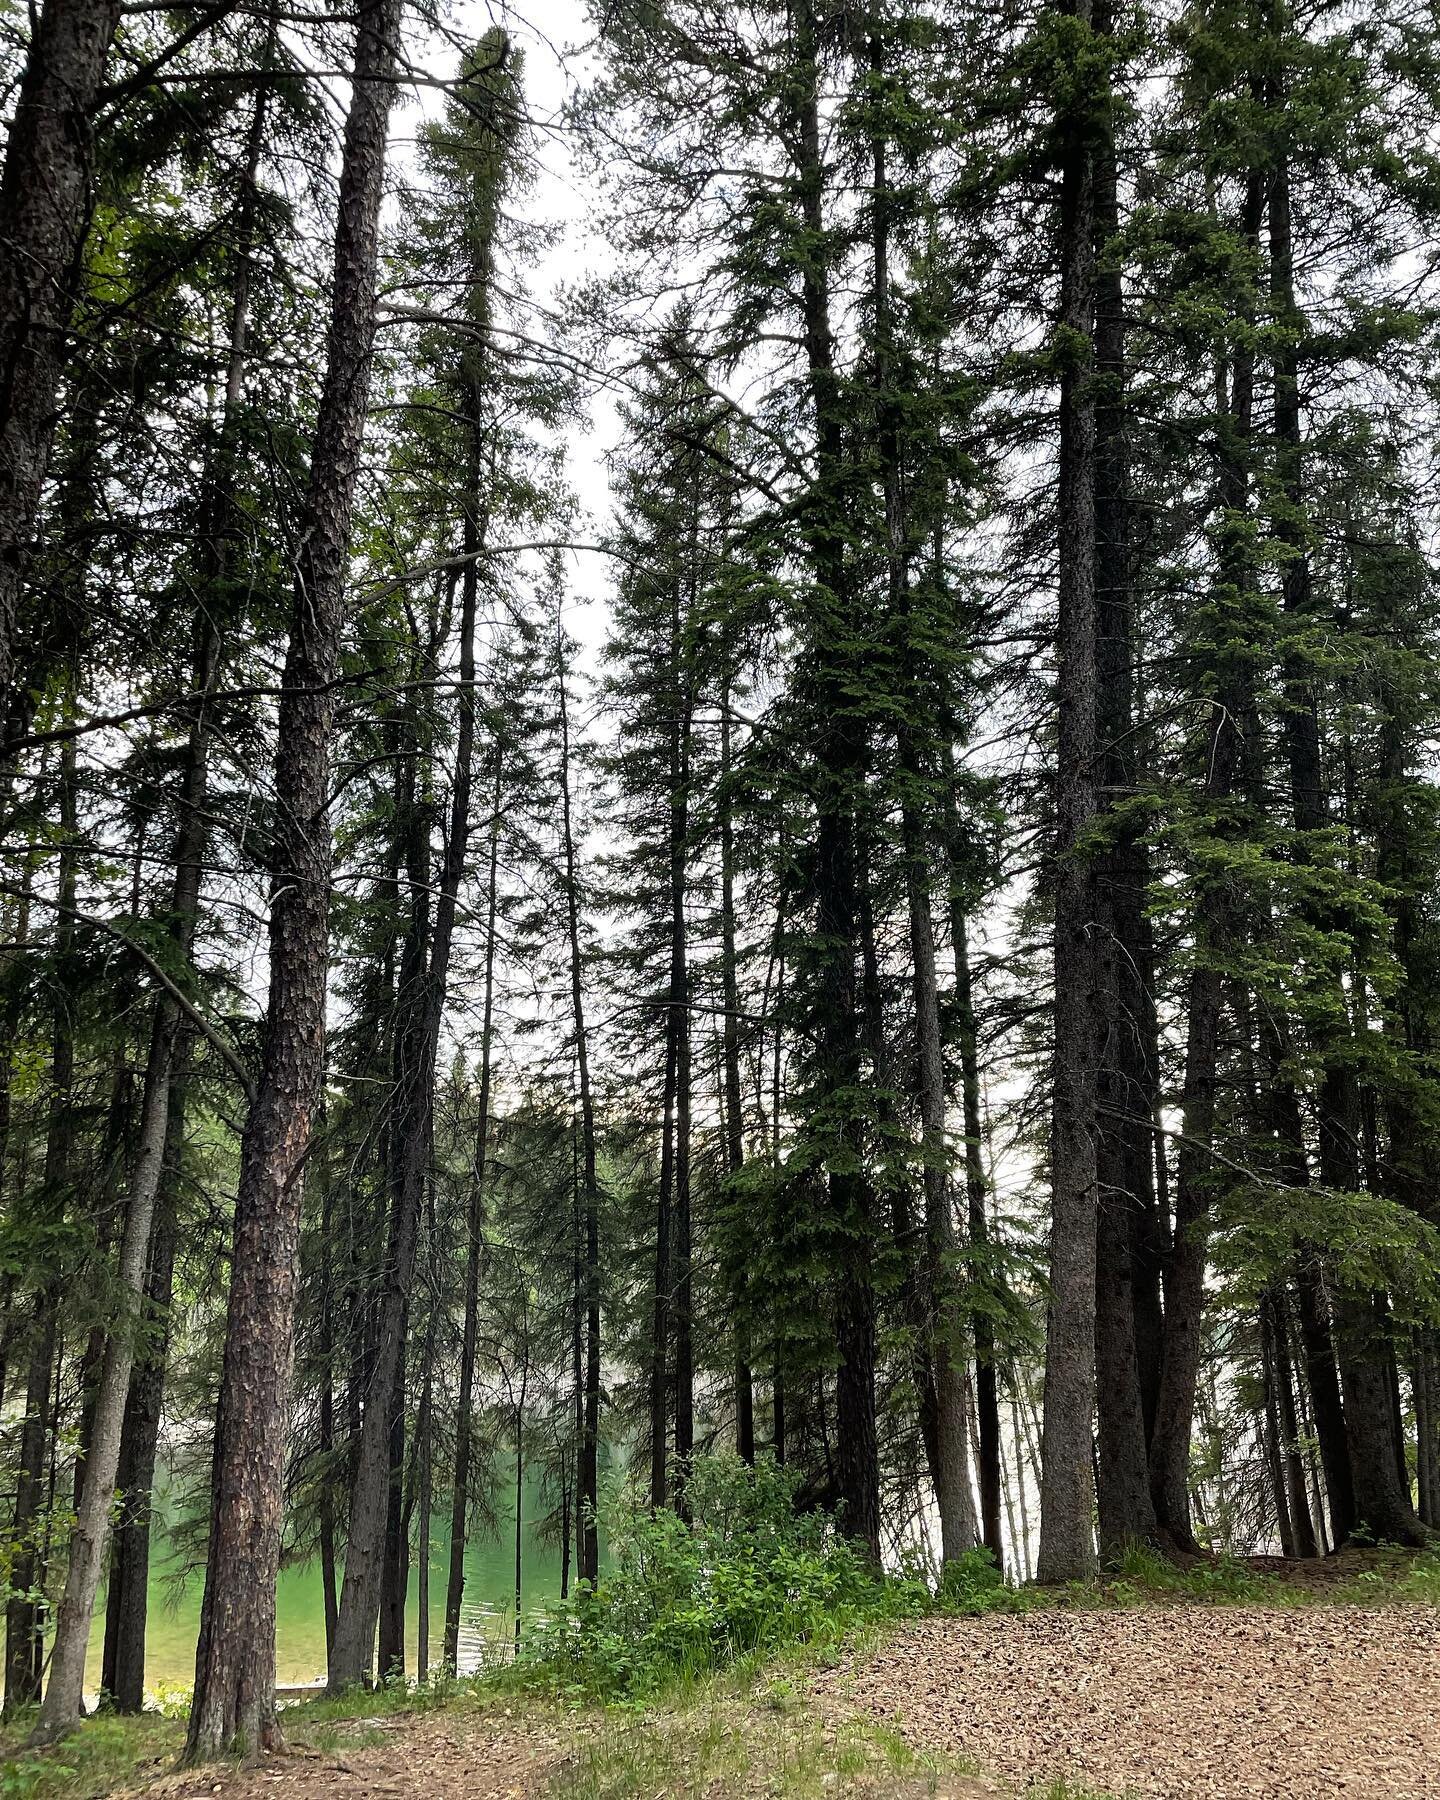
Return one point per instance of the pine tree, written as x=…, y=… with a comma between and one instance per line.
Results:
x=235, y=1662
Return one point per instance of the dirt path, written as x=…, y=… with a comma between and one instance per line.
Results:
x=1225, y=1702
x=446, y=1753
x=1305, y=1703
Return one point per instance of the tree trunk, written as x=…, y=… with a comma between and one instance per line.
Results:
x=679, y=1013
x=395, y=1543
x=577, y=1363
x=95, y=1497
x=234, y=1704
x=778, y=1420
x=1425, y=1388
x=520, y=1493
x=1382, y=1499
x=1067, y=1551
x=424, y=1480
x=475, y=518
x=1288, y=1425
x=958, y=1526
x=587, y=1499
x=1219, y=923
x=376, y=1558
x=987, y=1391
x=911, y=1241
x=326, y=1503
x=474, y=1228
x=662, y=1301
x=22, y=1616
x=838, y=773
x=1124, y=1163
x=731, y=1096
x=44, y=214
x=376, y=1548
x=944, y=1366
x=1280, y=1491
x=123, y=1669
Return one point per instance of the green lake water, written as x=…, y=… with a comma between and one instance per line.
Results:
x=487, y=1619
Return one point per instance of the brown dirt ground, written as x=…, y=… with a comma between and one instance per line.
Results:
x=445, y=1754
x=1228, y=1703
x=1225, y=1703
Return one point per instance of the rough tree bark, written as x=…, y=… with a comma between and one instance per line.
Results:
x=24, y=1648
x=731, y=1096
x=234, y=1703
x=1067, y=1549
x=1124, y=1164
x=1382, y=1499
x=376, y=1540
x=106, y=1435
x=474, y=1252
x=587, y=1495
x=839, y=763
x=44, y=212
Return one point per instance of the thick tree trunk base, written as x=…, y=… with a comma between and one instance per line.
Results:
x=241, y=1734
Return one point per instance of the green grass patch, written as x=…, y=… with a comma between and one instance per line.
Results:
x=102, y=1753
x=972, y=1585
x=1143, y=1574
x=720, y=1748
x=1380, y=1576
x=1402, y=1579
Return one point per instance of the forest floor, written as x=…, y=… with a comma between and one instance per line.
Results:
x=1328, y=1688
x=1225, y=1702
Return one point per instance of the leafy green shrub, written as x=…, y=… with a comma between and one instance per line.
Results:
x=746, y=1576
x=972, y=1584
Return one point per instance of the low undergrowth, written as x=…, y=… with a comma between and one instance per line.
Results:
x=1382, y=1576
x=102, y=1754
x=730, y=1743
x=695, y=1646
x=1142, y=1574
x=745, y=1577
x=972, y=1585
x=1401, y=1577
x=723, y=1749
